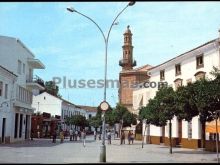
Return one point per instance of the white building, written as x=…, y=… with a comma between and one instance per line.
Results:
x=90, y=112
x=48, y=103
x=16, y=86
x=185, y=68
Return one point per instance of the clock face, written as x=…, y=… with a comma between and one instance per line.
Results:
x=104, y=106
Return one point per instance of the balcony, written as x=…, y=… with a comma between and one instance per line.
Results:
x=35, y=63
x=124, y=62
x=35, y=83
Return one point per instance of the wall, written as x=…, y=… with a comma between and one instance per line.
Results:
x=188, y=71
x=50, y=104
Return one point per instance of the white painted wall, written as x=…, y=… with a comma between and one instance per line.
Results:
x=12, y=50
x=184, y=129
x=211, y=58
x=47, y=103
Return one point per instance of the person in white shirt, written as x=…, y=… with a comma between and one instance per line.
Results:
x=71, y=134
x=83, y=137
x=94, y=135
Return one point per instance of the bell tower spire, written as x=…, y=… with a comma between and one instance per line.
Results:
x=127, y=63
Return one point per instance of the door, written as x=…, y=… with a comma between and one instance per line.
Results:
x=26, y=127
x=3, y=129
x=179, y=131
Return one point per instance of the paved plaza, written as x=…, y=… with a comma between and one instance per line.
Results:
x=44, y=151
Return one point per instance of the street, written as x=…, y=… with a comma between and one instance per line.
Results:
x=44, y=151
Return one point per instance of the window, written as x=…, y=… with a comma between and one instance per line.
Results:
x=24, y=68
x=1, y=87
x=19, y=67
x=190, y=130
x=6, y=91
x=178, y=83
x=199, y=62
x=162, y=76
x=178, y=69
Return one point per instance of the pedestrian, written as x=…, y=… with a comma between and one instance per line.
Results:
x=132, y=137
x=122, y=137
x=129, y=137
x=79, y=134
x=54, y=136
x=71, y=134
x=94, y=134
x=100, y=135
x=116, y=132
x=109, y=136
x=38, y=134
x=61, y=136
x=83, y=137
x=76, y=134
x=32, y=134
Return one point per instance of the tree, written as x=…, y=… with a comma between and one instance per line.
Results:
x=77, y=120
x=121, y=112
x=128, y=119
x=207, y=101
x=161, y=109
x=185, y=102
x=51, y=88
x=95, y=122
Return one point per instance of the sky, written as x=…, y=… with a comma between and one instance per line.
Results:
x=71, y=46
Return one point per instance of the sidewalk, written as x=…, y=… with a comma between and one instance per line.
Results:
x=44, y=151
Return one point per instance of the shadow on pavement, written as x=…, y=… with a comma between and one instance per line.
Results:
x=41, y=143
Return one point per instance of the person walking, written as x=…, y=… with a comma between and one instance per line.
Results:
x=76, y=134
x=132, y=137
x=109, y=137
x=54, y=136
x=71, y=134
x=122, y=137
x=61, y=136
x=38, y=134
x=100, y=136
x=129, y=137
x=95, y=134
x=83, y=137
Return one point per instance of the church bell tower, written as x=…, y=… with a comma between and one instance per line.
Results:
x=127, y=63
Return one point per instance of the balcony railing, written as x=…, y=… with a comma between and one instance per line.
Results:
x=36, y=79
x=123, y=62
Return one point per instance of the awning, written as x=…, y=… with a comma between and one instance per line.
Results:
x=211, y=129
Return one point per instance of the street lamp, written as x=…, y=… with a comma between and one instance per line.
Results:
x=216, y=121
x=71, y=9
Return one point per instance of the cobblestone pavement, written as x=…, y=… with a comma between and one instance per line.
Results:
x=44, y=151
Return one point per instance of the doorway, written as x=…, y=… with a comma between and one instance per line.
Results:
x=3, y=129
x=179, y=131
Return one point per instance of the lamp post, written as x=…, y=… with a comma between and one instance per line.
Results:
x=216, y=124
x=131, y=3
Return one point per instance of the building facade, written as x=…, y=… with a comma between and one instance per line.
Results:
x=128, y=77
x=181, y=70
x=55, y=106
x=17, y=86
